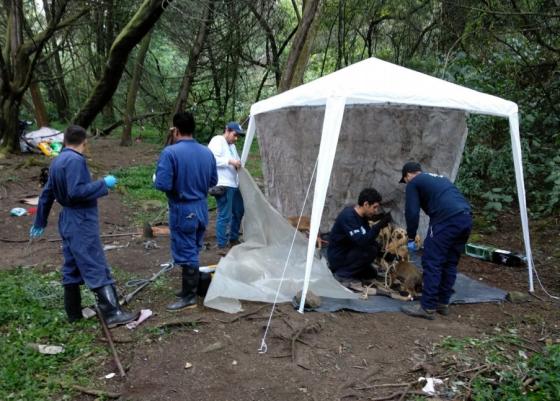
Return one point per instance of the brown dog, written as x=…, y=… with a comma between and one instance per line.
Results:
x=409, y=277
x=304, y=223
x=304, y=227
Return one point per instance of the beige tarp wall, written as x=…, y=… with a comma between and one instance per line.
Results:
x=374, y=143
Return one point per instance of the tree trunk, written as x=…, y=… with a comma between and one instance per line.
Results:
x=56, y=89
x=140, y=24
x=301, y=47
x=198, y=44
x=275, y=62
x=63, y=102
x=18, y=60
x=41, y=116
x=126, y=137
x=9, y=113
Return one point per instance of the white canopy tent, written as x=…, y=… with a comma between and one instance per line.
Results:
x=377, y=82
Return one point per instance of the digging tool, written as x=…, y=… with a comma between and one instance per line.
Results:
x=144, y=283
x=107, y=334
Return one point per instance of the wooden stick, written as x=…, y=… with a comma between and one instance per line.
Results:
x=394, y=395
x=109, y=338
x=536, y=296
x=179, y=322
x=102, y=236
x=14, y=240
x=483, y=367
x=296, y=337
x=85, y=390
x=244, y=314
x=385, y=385
x=404, y=393
x=97, y=393
x=471, y=380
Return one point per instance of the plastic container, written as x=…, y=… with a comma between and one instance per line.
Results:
x=56, y=148
x=479, y=251
x=45, y=148
x=507, y=258
x=495, y=255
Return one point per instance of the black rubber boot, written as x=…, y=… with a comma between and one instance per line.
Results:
x=108, y=303
x=204, y=280
x=73, y=302
x=190, y=277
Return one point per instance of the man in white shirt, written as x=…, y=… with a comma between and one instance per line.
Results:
x=230, y=204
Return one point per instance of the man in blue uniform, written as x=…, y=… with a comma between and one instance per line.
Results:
x=353, y=242
x=185, y=171
x=450, y=226
x=70, y=184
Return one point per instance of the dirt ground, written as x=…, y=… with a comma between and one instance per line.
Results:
x=314, y=356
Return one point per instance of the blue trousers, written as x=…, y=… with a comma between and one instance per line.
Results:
x=84, y=259
x=187, y=224
x=443, y=246
x=356, y=264
x=230, y=213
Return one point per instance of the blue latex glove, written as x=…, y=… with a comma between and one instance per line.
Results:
x=110, y=181
x=411, y=245
x=35, y=232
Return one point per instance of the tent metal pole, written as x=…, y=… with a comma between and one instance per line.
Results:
x=334, y=111
x=248, y=140
x=518, y=165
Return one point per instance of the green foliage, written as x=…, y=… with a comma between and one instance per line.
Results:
x=149, y=133
x=27, y=317
x=253, y=164
x=136, y=184
x=490, y=346
x=511, y=374
x=538, y=379
x=496, y=199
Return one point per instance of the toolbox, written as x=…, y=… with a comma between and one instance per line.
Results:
x=495, y=255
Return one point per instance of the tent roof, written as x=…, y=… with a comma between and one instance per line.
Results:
x=377, y=81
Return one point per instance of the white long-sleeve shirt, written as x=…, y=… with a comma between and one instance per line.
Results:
x=223, y=152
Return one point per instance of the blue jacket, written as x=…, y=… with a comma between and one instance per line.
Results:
x=185, y=171
x=70, y=184
x=348, y=232
x=436, y=196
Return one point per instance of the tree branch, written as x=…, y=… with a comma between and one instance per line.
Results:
x=107, y=130
x=142, y=21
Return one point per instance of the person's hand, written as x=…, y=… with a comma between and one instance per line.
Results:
x=110, y=181
x=385, y=220
x=412, y=245
x=235, y=163
x=35, y=232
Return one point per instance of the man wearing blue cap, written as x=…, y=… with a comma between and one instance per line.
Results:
x=448, y=232
x=230, y=203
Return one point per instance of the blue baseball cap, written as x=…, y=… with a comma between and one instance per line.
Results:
x=234, y=126
x=410, y=167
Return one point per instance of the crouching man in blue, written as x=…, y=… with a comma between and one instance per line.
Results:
x=185, y=171
x=70, y=184
x=450, y=226
x=353, y=242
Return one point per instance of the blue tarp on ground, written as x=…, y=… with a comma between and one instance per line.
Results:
x=467, y=291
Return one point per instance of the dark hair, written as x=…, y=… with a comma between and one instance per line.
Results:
x=369, y=195
x=184, y=122
x=74, y=135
